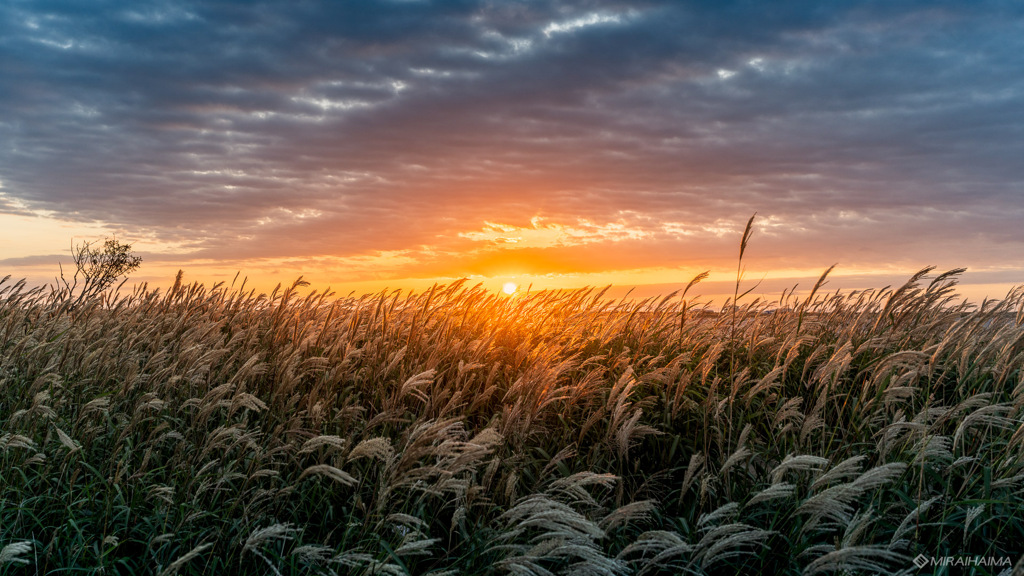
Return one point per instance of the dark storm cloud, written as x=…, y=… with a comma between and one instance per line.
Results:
x=870, y=130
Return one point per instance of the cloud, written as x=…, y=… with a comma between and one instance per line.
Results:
x=868, y=132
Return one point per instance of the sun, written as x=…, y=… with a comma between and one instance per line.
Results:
x=509, y=288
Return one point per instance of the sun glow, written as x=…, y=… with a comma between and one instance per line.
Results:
x=509, y=288
x=544, y=234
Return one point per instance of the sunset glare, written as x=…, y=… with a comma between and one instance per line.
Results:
x=511, y=287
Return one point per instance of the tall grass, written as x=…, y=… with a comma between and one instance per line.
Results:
x=220, y=431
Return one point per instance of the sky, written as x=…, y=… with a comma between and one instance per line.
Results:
x=561, y=144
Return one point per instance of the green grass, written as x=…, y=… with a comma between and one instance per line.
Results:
x=219, y=431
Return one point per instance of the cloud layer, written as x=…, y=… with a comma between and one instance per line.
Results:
x=870, y=133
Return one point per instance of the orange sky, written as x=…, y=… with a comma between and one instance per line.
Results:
x=541, y=254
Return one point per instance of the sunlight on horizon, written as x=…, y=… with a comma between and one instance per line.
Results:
x=35, y=242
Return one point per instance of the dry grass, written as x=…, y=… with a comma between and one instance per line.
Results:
x=217, y=430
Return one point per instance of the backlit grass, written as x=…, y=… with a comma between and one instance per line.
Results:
x=218, y=431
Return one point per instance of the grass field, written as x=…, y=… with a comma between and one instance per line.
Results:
x=218, y=431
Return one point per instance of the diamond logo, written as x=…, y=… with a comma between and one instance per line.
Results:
x=921, y=561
